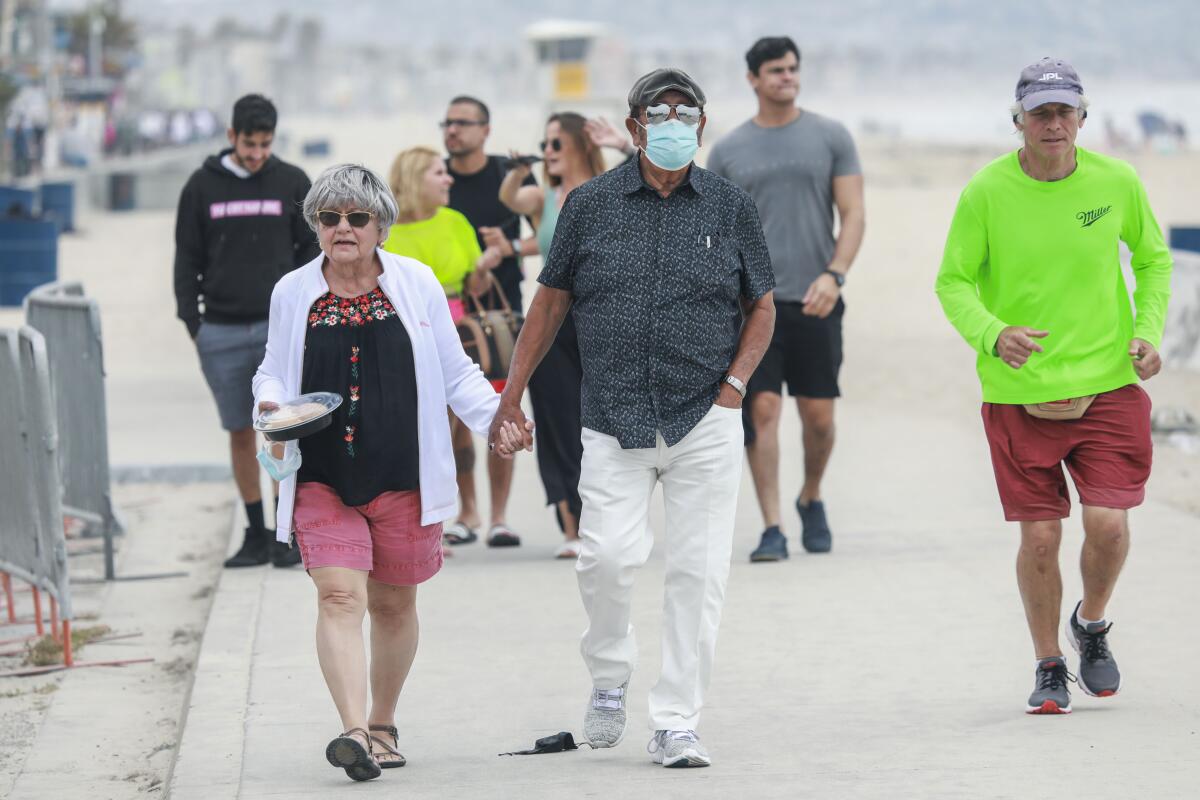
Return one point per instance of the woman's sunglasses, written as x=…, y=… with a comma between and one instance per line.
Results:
x=357, y=219
x=555, y=144
x=658, y=114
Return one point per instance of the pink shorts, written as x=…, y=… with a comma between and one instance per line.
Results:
x=384, y=538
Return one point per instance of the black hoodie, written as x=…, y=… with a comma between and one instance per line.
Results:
x=235, y=237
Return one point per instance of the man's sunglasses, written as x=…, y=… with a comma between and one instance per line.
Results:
x=555, y=144
x=661, y=112
x=459, y=123
x=357, y=219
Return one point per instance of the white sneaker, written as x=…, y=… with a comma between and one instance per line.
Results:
x=678, y=749
x=604, y=722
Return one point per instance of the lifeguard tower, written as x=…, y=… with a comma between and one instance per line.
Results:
x=576, y=65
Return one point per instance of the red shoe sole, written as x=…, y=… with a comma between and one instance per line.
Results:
x=1048, y=707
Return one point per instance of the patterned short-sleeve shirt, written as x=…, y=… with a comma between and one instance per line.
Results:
x=657, y=286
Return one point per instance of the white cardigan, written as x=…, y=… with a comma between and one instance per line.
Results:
x=445, y=375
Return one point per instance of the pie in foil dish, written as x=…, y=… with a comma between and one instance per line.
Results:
x=298, y=417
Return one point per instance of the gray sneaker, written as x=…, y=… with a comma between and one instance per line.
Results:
x=1098, y=673
x=678, y=749
x=1051, y=695
x=604, y=722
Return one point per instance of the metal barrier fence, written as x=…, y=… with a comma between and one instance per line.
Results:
x=70, y=323
x=33, y=547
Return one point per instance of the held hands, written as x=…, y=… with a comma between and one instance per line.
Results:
x=495, y=238
x=821, y=297
x=1146, y=361
x=1016, y=343
x=510, y=432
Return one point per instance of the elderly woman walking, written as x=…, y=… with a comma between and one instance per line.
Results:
x=367, y=502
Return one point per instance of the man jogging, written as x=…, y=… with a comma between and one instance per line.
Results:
x=1031, y=278
x=239, y=229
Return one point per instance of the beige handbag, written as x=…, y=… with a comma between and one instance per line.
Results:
x=489, y=335
x=1062, y=410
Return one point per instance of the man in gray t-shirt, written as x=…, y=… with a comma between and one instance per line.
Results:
x=799, y=167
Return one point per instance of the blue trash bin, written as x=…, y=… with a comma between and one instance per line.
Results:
x=1185, y=239
x=58, y=204
x=16, y=202
x=28, y=257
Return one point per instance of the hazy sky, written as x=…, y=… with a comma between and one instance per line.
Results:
x=1152, y=36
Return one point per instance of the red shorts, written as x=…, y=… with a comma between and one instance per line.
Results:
x=1108, y=453
x=384, y=538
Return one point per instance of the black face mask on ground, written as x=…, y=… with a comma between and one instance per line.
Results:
x=557, y=743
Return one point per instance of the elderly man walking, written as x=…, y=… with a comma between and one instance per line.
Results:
x=1031, y=278
x=658, y=260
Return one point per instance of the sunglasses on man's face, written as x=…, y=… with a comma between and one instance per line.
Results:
x=661, y=112
x=446, y=124
x=357, y=219
x=555, y=144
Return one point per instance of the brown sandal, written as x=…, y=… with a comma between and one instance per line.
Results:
x=391, y=756
x=349, y=754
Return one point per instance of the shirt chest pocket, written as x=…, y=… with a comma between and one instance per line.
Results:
x=710, y=265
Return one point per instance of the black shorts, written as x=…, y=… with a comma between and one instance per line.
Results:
x=806, y=352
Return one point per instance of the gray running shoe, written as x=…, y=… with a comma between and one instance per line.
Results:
x=816, y=536
x=1098, y=673
x=678, y=749
x=604, y=722
x=1051, y=695
x=772, y=547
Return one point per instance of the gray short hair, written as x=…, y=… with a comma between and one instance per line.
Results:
x=1017, y=111
x=351, y=186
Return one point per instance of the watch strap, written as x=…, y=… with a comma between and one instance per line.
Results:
x=737, y=385
x=838, y=277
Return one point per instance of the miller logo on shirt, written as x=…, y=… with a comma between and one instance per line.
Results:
x=1086, y=218
x=246, y=208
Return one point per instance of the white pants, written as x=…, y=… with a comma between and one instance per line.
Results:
x=700, y=477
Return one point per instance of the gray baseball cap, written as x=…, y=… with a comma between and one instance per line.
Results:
x=1051, y=80
x=647, y=88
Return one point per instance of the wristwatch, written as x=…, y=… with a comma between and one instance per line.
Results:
x=737, y=385
x=516, y=246
x=838, y=277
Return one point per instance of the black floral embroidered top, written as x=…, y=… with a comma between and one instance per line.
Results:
x=359, y=348
x=657, y=285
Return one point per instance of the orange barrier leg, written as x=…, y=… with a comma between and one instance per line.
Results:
x=54, y=618
x=68, y=656
x=37, y=611
x=6, y=579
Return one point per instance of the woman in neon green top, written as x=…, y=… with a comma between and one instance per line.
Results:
x=431, y=232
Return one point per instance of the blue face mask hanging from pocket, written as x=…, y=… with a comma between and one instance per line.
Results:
x=280, y=468
x=670, y=145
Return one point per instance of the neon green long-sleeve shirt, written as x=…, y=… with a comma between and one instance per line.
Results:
x=1045, y=254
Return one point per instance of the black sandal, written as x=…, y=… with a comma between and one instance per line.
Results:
x=396, y=760
x=349, y=754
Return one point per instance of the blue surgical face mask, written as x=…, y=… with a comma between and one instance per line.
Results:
x=670, y=145
x=280, y=468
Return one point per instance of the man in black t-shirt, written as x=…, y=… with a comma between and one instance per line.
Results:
x=475, y=193
x=476, y=190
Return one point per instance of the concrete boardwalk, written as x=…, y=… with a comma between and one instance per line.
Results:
x=895, y=667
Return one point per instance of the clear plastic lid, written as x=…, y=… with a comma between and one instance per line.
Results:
x=298, y=411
